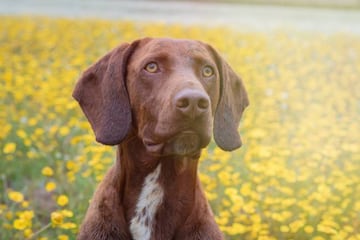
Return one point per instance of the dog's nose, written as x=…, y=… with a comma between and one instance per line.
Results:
x=192, y=103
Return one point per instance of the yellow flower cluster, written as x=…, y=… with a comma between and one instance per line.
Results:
x=16, y=196
x=296, y=176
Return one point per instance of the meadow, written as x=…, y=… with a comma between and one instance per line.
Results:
x=297, y=175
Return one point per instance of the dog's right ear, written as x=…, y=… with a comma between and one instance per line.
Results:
x=232, y=103
x=102, y=95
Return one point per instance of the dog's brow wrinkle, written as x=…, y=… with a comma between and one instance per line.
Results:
x=149, y=200
x=194, y=50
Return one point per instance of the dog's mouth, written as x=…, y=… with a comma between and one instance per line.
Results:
x=153, y=148
x=182, y=144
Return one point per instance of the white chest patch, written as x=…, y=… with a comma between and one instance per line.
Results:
x=149, y=200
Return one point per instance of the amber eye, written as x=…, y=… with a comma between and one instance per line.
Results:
x=151, y=67
x=207, y=71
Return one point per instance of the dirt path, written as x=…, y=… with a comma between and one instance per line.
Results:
x=245, y=17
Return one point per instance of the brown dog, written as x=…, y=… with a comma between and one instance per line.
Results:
x=157, y=99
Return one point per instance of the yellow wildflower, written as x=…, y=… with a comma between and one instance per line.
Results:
x=62, y=200
x=28, y=232
x=50, y=186
x=47, y=171
x=28, y=215
x=9, y=148
x=63, y=237
x=309, y=229
x=20, y=224
x=68, y=225
x=16, y=196
x=9, y=215
x=317, y=238
x=25, y=204
x=21, y=134
x=64, y=131
x=24, y=220
x=67, y=213
x=284, y=229
x=56, y=218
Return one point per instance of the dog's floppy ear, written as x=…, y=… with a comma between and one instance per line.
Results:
x=233, y=100
x=102, y=95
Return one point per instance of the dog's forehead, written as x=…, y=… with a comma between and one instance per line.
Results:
x=179, y=47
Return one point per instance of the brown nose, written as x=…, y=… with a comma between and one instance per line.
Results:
x=191, y=103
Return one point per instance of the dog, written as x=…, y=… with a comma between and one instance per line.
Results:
x=159, y=100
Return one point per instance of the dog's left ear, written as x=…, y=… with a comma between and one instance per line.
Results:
x=102, y=95
x=233, y=100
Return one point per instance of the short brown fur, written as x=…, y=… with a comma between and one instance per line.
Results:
x=164, y=117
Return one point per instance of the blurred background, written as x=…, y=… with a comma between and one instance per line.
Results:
x=323, y=15
x=295, y=177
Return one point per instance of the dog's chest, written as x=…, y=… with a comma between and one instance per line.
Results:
x=149, y=200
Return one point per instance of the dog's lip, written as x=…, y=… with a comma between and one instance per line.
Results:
x=152, y=146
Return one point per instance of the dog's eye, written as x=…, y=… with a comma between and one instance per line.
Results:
x=207, y=71
x=151, y=67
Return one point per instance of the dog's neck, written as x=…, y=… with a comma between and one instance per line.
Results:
x=156, y=191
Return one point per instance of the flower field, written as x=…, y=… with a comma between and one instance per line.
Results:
x=297, y=175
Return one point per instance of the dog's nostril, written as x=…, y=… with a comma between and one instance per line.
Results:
x=203, y=103
x=182, y=103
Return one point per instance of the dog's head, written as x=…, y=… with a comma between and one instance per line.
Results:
x=173, y=93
